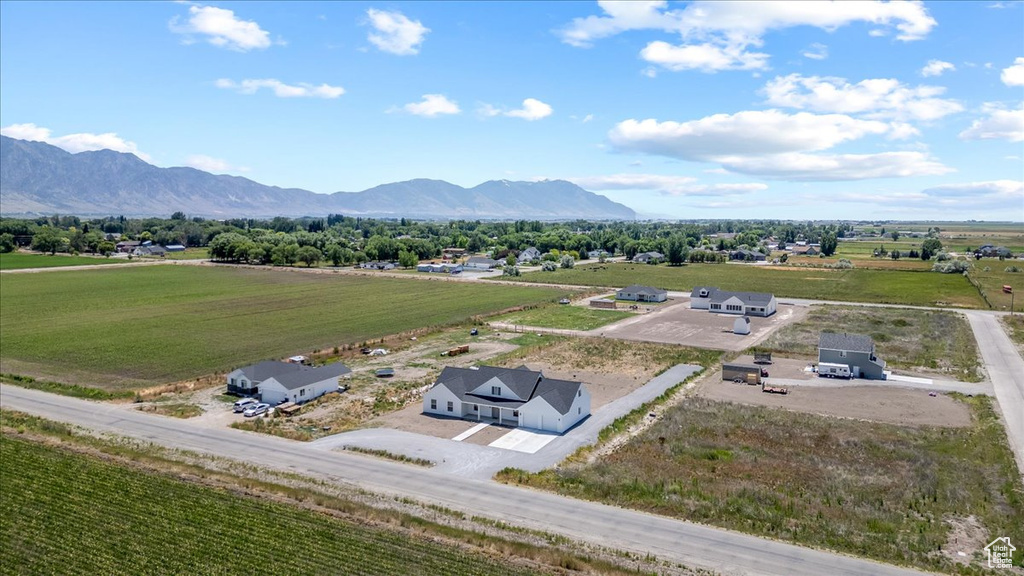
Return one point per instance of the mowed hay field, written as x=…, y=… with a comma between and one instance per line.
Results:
x=21, y=260
x=130, y=327
x=935, y=341
x=857, y=285
x=878, y=490
x=64, y=513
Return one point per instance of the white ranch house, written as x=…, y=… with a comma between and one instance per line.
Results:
x=511, y=396
x=725, y=302
x=636, y=293
x=273, y=382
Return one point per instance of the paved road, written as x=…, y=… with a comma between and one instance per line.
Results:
x=1006, y=371
x=673, y=540
x=482, y=462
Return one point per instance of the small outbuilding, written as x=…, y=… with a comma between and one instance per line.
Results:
x=741, y=326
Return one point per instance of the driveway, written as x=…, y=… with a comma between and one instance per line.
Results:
x=473, y=461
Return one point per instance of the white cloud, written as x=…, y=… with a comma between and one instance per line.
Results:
x=211, y=164
x=74, y=143
x=587, y=118
x=876, y=98
x=1014, y=74
x=673, y=185
x=817, y=51
x=280, y=89
x=221, y=28
x=717, y=35
x=744, y=133
x=1000, y=124
x=831, y=167
x=532, y=109
x=432, y=105
x=395, y=33
x=936, y=68
x=962, y=196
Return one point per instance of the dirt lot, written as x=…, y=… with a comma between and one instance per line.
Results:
x=678, y=324
x=890, y=405
x=782, y=367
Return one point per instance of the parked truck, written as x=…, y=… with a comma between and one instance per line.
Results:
x=743, y=373
x=827, y=369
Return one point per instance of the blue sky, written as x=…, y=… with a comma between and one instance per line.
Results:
x=803, y=110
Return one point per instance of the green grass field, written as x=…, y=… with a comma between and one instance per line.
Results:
x=64, y=513
x=138, y=326
x=20, y=260
x=566, y=317
x=857, y=285
x=863, y=488
x=992, y=283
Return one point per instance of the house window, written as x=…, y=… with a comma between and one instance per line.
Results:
x=842, y=353
x=475, y=408
x=495, y=390
x=579, y=410
x=450, y=406
x=232, y=381
x=433, y=403
x=579, y=393
x=302, y=392
x=734, y=307
x=515, y=413
x=716, y=306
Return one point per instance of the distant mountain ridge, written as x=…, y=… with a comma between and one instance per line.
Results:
x=37, y=178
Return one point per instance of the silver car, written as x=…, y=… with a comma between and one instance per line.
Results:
x=256, y=410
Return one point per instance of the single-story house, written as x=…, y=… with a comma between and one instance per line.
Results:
x=724, y=301
x=649, y=258
x=528, y=255
x=127, y=246
x=805, y=251
x=482, y=263
x=638, y=293
x=272, y=381
x=746, y=255
x=990, y=251
x=855, y=350
x=595, y=254
x=150, y=250
x=174, y=248
x=452, y=253
x=445, y=268
x=374, y=265
x=511, y=396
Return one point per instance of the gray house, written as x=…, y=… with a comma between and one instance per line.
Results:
x=482, y=263
x=638, y=293
x=855, y=350
x=649, y=258
x=529, y=255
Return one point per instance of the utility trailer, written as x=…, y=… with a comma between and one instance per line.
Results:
x=773, y=389
x=743, y=373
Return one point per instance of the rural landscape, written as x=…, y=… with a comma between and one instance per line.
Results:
x=602, y=288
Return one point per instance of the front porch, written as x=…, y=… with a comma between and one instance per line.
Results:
x=503, y=416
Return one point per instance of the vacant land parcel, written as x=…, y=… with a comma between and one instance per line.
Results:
x=857, y=285
x=929, y=340
x=143, y=325
x=21, y=260
x=884, y=491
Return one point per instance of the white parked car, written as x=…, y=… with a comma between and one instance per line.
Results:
x=244, y=403
x=378, y=352
x=256, y=410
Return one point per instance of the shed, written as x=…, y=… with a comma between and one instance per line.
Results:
x=741, y=325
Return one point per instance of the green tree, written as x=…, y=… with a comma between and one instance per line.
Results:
x=308, y=255
x=828, y=243
x=408, y=259
x=930, y=247
x=6, y=242
x=285, y=254
x=47, y=239
x=567, y=261
x=895, y=235
x=676, y=250
x=106, y=248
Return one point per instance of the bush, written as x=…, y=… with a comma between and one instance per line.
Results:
x=510, y=270
x=1013, y=269
x=954, y=267
x=842, y=264
x=942, y=257
x=567, y=262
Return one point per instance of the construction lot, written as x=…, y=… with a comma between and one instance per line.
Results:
x=678, y=324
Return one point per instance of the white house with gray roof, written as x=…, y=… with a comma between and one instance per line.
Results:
x=726, y=302
x=637, y=293
x=273, y=382
x=528, y=255
x=511, y=396
x=855, y=350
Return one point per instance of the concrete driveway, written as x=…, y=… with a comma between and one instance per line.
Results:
x=473, y=461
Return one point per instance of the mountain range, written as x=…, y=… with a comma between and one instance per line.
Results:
x=38, y=178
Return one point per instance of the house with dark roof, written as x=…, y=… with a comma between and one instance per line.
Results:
x=127, y=246
x=509, y=396
x=854, y=350
x=150, y=250
x=746, y=255
x=637, y=293
x=273, y=382
x=726, y=302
